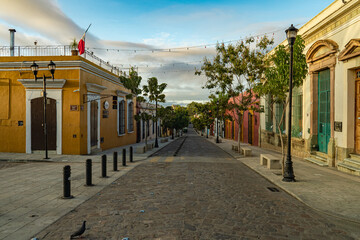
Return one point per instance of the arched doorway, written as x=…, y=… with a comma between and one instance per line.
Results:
x=37, y=124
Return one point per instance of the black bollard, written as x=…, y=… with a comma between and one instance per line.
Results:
x=115, y=163
x=124, y=157
x=131, y=154
x=67, y=174
x=89, y=173
x=103, y=166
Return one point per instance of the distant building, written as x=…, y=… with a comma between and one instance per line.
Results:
x=87, y=110
x=250, y=128
x=326, y=109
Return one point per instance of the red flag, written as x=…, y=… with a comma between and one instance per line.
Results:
x=81, y=45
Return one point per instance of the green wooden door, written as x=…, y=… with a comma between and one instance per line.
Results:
x=324, y=130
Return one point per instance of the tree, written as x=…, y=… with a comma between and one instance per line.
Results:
x=275, y=88
x=202, y=115
x=234, y=71
x=155, y=93
x=181, y=118
x=145, y=116
x=132, y=82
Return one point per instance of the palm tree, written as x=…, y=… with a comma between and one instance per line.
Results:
x=154, y=91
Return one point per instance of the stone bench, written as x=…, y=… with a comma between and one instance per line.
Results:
x=270, y=161
x=246, y=151
x=149, y=146
x=163, y=140
x=234, y=147
x=140, y=149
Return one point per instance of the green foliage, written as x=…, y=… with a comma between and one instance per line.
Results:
x=154, y=91
x=235, y=71
x=202, y=114
x=132, y=82
x=276, y=84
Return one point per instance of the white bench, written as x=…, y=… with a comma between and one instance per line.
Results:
x=270, y=161
x=140, y=149
x=234, y=147
x=246, y=151
x=149, y=146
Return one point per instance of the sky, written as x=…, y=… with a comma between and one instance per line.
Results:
x=125, y=33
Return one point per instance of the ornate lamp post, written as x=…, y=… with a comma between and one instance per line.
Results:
x=156, y=127
x=35, y=68
x=217, y=121
x=289, y=176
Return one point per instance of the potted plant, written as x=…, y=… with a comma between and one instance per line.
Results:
x=74, y=48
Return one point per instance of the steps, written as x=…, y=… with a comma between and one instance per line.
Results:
x=318, y=158
x=350, y=165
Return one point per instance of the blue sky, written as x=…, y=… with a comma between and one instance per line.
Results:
x=153, y=24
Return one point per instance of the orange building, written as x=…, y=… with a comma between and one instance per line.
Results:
x=87, y=108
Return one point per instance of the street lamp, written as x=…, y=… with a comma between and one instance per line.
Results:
x=35, y=68
x=217, y=121
x=156, y=127
x=288, y=168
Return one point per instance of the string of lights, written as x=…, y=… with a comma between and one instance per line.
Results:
x=186, y=48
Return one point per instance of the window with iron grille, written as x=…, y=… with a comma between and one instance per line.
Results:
x=296, y=128
x=268, y=115
x=153, y=126
x=278, y=114
x=121, y=112
x=143, y=129
x=131, y=117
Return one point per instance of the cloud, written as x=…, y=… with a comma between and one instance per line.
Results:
x=43, y=17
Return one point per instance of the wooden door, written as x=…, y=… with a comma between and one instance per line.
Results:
x=324, y=131
x=94, y=123
x=250, y=128
x=357, y=116
x=37, y=124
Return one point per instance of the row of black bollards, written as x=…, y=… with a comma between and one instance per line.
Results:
x=67, y=171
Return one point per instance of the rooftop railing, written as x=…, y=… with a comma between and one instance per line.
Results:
x=56, y=50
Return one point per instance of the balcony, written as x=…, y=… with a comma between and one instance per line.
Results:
x=57, y=50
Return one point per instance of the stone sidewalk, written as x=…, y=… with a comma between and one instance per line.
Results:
x=31, y=193
x=322, y=188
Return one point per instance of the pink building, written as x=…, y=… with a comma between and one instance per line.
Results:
x=249, y=128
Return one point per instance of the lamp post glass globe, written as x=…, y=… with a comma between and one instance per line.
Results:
x=291, y=33
x=34, y=68
x=52, y=67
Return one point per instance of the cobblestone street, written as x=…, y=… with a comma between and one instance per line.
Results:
x=201, y=193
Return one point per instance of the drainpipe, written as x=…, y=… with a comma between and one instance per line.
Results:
x=12, y=41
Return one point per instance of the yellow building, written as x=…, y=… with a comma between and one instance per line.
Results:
x=87, y=109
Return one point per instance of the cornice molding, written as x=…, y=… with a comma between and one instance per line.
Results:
x=348, y=53
x=31, y=83
x=92, y=87
x=330, y=44
x=84, y=65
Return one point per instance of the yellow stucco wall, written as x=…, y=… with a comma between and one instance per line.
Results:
x=108, y=126
x=74, y=122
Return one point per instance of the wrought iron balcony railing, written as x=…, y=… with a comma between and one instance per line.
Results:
x=56, y=50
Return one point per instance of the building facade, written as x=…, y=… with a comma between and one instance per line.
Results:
x=250, y=127
x=326, y=109
x=87, y=108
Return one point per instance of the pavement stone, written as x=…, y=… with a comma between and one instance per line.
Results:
x=324, y=189
x=31, y=188
x=204, y=195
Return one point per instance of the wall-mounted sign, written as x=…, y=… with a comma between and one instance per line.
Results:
x=74, y=108
x=338, y=126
